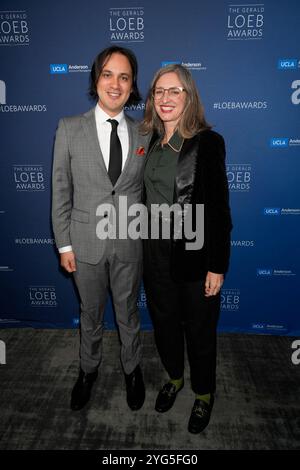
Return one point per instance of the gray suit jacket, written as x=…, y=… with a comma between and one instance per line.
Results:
x=81, y=183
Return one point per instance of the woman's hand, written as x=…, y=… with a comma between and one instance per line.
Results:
x=213, y=283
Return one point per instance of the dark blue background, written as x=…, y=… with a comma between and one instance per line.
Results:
x=261, y=290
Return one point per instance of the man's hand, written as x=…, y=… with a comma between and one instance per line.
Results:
x=67, y=261
x=213, y=283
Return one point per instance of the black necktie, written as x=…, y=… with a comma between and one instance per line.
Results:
x=115, y=154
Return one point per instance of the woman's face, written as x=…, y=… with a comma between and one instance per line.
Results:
x=169, y=107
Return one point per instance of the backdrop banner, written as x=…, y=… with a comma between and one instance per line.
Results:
x=245, y=59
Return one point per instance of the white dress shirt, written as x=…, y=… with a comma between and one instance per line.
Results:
x=103, y=132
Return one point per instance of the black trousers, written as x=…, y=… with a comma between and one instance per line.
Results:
x=180, y=310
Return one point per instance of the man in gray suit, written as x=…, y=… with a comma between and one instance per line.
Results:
x=99, y=156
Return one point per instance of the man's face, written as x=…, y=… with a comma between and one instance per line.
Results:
x=114, y=84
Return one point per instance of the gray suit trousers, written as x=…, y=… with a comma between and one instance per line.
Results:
x=94, y=282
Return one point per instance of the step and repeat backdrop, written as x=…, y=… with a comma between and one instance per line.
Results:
x=245, y=58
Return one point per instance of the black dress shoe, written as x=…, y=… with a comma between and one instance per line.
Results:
x=135, y=389
x=166, y=397
x=200, y=415
x=82, y=390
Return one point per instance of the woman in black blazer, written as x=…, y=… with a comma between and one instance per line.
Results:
x=185, y=170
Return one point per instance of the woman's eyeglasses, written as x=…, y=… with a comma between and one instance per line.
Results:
x=173, y=92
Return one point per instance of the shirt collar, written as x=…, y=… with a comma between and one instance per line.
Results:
x=176, y=142
x=101, y=116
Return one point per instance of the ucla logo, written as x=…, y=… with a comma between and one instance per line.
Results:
x=279, y=142
x=170, y=62
x=287, y=64
x=258, y=326
x=264, y=272
x=272, y=211
x=58, y=68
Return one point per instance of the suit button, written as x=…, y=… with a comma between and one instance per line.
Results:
x=113, y=193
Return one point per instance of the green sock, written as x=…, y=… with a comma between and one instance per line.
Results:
x=205, y=398
x=177, y=382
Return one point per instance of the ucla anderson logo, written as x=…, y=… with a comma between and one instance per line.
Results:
x=198, y=66
x=264, y=272
x=170, y=62
x=284, y=142
x=272, y=211
x=288, y=64
x=279, y=142
x=67, y=68
x=260, y=326
x=58, y=68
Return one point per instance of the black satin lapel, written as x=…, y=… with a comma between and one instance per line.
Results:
x=151, y=145
x=186, y=171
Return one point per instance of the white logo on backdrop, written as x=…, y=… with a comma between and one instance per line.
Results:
x=126, y=24
x=17, y=108
x=2, y=352
x=296, y=94
x=14, y=29
x=2, y=92
x=245, y=22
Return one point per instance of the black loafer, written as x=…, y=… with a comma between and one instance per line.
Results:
x=82, y=389
x=135, y=389
x=200, y=415
x=166, y=397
